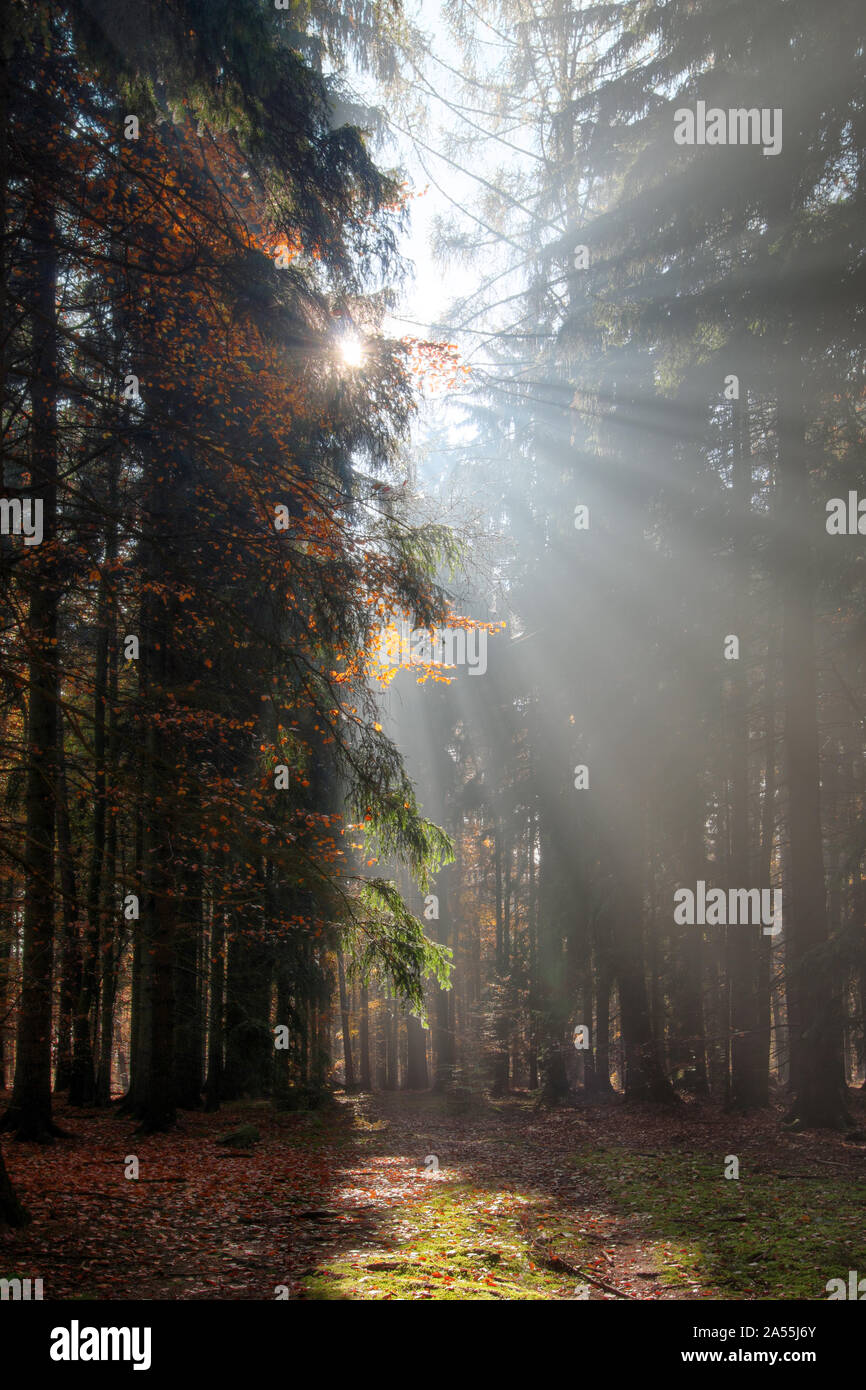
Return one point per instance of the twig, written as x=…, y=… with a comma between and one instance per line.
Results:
x=557, y=1262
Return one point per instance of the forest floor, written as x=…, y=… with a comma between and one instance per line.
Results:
x=420, y=1196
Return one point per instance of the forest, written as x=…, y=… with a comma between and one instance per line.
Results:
x=433, y=652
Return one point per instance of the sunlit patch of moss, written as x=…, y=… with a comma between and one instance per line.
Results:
x=459, y=1243
x=760, y=1236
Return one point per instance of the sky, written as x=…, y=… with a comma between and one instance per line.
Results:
x=431, y=289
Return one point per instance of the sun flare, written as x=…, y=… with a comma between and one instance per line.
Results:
x=351, y=351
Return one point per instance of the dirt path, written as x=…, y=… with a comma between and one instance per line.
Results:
x=490, y=1205
x=423, y=1197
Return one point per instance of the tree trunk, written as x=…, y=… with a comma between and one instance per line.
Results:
x=747, y=1088
x=7, y=930
x=602, y=1054
x=83, y=1088
x=444, y=1053
x=644, y=1077
x=188, y=1015
x=283, y=1055
x=214, y=1083
x=416, y=1060
x=70, y=974
x=11, y=1211
x=814, y=1006
x=366, y=1078
x=30, y=1112
x=391, y=1061
x=345, y=1022
x=112, y=934
x=249, y=1041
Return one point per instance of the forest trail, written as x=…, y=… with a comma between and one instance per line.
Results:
x=417, y=1196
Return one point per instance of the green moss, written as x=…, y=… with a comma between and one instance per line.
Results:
x=760, y=1236
x=458, y=1243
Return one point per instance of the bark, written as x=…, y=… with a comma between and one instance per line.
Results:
x=214, y=1083
x=380, y=1046
x=282, y=1055
x=154, y=1076
x=322, y=1035
x=11, y=1211
x=602, y=1055
x=6, y=934
x=249, y=1041
x=814, y=1004
x=70, y=975
x=416, y=1060
x=691, y=1054
x=552, y=966
x=188, y=1011
x=30, y=1112
x=747, y=1088
x=500, y=982
x=366, y=1078
x=156, y=1099
x=768, y=831
x=444, y=1052
x=345, y=1022
x=644, y=1076
x=391, y=1059
x=533, y=950
x=83, y=1087
x=108, y=1000
x=112, y=934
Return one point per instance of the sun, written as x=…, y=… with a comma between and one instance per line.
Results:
x=351, y=351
